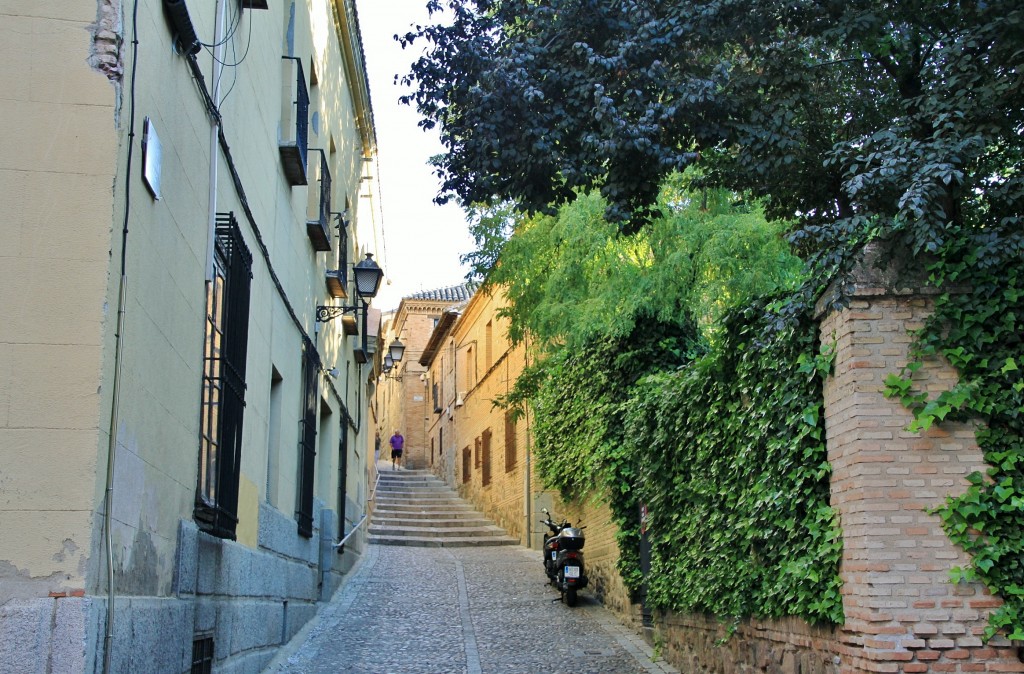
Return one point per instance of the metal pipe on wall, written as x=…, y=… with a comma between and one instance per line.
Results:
x=218, y=71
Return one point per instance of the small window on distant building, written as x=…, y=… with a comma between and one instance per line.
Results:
x=510, y=443
x=485, y=459
x=489, y=345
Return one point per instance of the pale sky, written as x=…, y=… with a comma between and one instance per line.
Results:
x=422, y=241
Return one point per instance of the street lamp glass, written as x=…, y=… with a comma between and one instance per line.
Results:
x=368, y=275
x=396, y=350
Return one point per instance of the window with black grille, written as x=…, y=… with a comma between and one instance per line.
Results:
x=466, y=468
x=342, y=473
x=202, y=655
x=223, y=393
x=307, y=438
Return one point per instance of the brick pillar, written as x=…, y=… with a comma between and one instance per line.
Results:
x=902, y=612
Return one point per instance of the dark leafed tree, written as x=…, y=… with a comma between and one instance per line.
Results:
x=858, y=117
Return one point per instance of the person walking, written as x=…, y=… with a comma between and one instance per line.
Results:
x=397, y=445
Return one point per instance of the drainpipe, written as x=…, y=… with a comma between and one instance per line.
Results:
x=108, y=499
x=115, y=396
x=527, y=497
x=527, y=504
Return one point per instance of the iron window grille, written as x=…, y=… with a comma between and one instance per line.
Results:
x=223, y=393
x=342, y=475
x=202, y=655
x=307, y=438
x=295, y=116
x=466, y=470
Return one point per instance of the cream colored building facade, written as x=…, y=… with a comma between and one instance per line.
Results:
x=173, y=219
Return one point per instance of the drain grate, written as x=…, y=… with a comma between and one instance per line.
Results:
x=592, y=652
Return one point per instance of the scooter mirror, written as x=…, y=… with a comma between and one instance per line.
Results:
x=545, y=511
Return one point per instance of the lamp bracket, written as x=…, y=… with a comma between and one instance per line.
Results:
x=326, y=313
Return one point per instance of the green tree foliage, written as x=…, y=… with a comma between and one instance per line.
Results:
x=857, y=118
x=573, y=278
x=727, y=449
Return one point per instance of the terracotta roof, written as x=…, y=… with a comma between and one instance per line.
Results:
x=459, y=293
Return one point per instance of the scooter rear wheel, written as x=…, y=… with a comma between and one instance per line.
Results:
x=570, y=596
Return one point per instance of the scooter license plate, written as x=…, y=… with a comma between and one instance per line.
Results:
x=572, y=572
x=554, y=553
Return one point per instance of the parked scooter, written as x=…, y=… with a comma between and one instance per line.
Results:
x=563, y=558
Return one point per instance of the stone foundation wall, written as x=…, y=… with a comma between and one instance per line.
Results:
x=250, y=601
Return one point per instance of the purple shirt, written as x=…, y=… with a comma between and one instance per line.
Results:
x=397, y=442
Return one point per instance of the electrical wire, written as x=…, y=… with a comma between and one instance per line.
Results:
x=380, y=210
x=237, y=19
x=234, y=81
x=231, y=34
x=245, y=54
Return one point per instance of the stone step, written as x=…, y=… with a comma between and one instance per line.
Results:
x=385, y=485
x=416, y=508
x=435, y=530
x=464, y=527
x=465, y=514
x=434, y=542
x=430, y=507
x=415, y=501
x=407, y=475
x=412, y=483
x=396, y=494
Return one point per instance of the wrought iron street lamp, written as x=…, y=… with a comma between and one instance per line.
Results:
x=396, y=351
x=368, y=276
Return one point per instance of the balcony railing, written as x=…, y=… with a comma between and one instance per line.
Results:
x=318, y=217
x=294, y=121
x=337, y=279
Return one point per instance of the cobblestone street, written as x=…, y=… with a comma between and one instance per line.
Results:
x=469, y=610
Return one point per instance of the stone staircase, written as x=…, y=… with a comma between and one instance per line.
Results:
x=413, y=507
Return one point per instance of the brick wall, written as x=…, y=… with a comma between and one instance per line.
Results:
x=697, y=643
x=602, y=557
x=902, y=612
